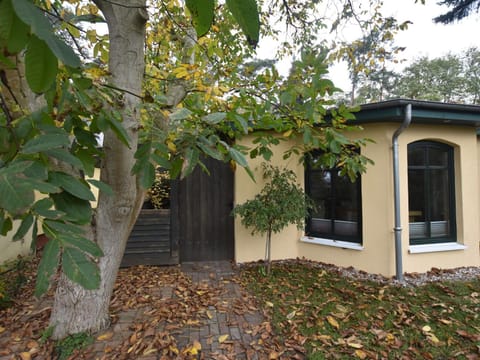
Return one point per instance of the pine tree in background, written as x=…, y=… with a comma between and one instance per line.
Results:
x=460, y=10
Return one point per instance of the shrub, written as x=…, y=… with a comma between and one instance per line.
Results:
x=159, y=193
x=280, y=203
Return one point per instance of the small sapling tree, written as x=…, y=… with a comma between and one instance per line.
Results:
x=280, y=203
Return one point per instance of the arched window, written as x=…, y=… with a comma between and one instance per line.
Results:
x=338, y=205
x=431, y=193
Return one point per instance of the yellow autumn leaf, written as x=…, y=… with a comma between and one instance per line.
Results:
x=360, y=354
x=269, y=304
x=197, y=345
x=209, y=314
x=426, y=328
x=433, y=338
x=173, y=349
x=222, y=338
x=273, y=355
x=2, y=329
x=354, y=345
x=291, y=315
x=149, y=351
x=171, y=146
x=390, y=338
x=105, y=336
x=191, y=350
x=331, y=320
x=25, y=355
x=287, y=133
x=92, y=35
x=443, y=321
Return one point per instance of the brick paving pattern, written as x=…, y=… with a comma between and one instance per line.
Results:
x=226, y=335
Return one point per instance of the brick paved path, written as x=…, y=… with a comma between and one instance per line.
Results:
x=238, y=325
x=229, y=333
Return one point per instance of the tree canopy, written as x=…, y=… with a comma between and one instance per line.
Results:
x=164, y=85
x=452, y=78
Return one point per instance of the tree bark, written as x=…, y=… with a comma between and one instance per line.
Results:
x=76, y=309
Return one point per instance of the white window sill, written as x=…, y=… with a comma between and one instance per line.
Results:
x=428, y=248
x=330, y=242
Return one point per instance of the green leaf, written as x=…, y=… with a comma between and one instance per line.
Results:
x=5, y=224
x=161, y=161
x=202, y=12
x=44, y=142
x=119, y=130
x=214, y=118
x=72, y=185
x=191, y=160
x=44, y=208
x=88, y=160
x=146, y=176
x=41, y=186
x=238, y=157
x=80, y=269
x=246, y=14
x=15, y=167
x=243, y=123
x=103, y=187
x=211, y=151
x=40, y=65
x=24, y=227
x=41, y=27
x=47, y=266
x=12, y=29
x=15, y=195
x=176, y=168
x=180, y=114
x=77, y=210
x=82, y=244
x=57, y=227
x=65, y=156
x=33, y=244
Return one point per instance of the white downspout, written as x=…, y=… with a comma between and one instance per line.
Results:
x=396, y=189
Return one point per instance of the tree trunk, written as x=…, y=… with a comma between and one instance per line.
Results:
x=76, y=309
x=268, y=255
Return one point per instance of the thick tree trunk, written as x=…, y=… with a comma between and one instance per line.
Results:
x=76, y=309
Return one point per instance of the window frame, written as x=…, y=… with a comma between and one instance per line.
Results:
x=424, y=145
x=357, y=239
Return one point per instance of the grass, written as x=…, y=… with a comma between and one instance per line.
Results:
x=66, y=347
x=336, y=317
x=12, y=277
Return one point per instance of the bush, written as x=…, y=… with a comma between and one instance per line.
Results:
x=280, y=203
x=158, y=196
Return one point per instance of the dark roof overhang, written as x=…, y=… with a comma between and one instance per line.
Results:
x=423, y=112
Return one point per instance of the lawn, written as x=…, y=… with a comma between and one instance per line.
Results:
x=338, y=317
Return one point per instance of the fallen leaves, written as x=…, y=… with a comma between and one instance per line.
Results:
x=105, y=336
x=223, y=338
x=331, y=320
x=343, y=317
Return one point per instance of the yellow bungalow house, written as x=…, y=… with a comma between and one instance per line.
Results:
x=416, y=208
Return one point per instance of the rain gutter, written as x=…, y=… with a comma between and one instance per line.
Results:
x=396, y=189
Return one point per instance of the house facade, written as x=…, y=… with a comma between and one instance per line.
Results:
x=433, y=223
x=417, y=207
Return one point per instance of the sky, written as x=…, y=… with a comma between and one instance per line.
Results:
x=423, y=37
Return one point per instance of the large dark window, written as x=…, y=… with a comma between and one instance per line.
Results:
x=337, y=200
x=431, y=193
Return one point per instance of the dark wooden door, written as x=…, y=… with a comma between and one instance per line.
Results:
x=202, y=221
